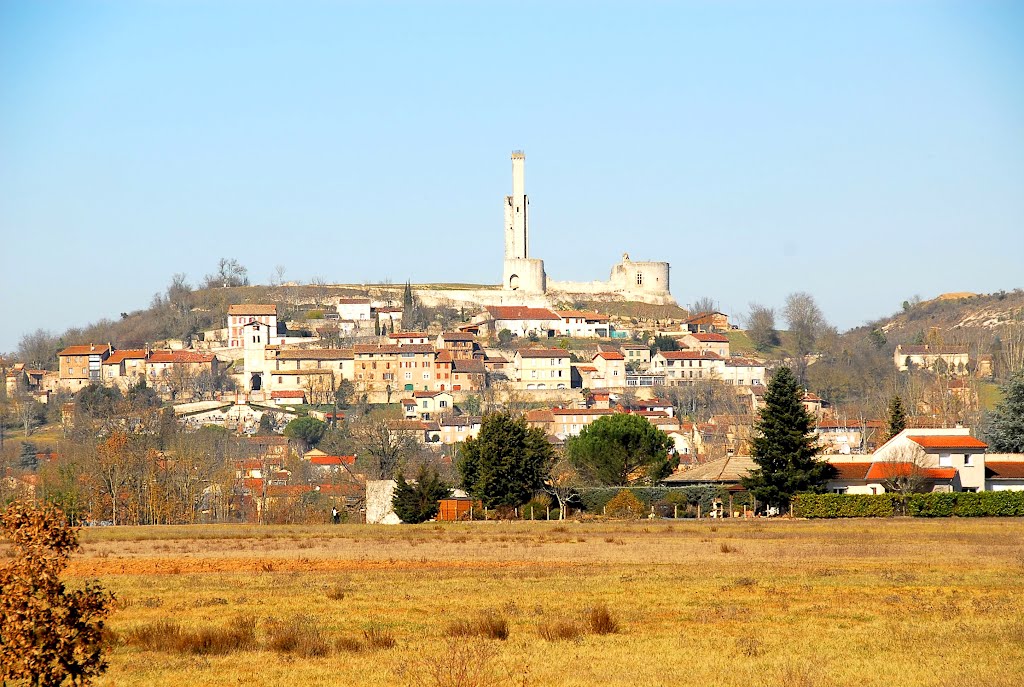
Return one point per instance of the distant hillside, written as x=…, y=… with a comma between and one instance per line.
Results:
x=955, y=311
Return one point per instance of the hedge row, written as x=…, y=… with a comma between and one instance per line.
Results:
x=932, y=505
x=594, y=500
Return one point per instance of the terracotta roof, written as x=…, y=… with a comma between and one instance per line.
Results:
x=851, y=471
x=427, y=394
x=252, y=309
x=724, y=470
x=315, y=354
x=582, y=314
x=582, y=411
x=610, y=355
x=519, y=312
x=293, y=373
x=742, y=362
x=408, y=401
x=460, y=420
x=690, y=355
x=332, y=460
x=356, y=300
x=954, y=441
x=707, y=337
x=1004, y=470
x=703, y=317
x=470, y=366
x=408, y=335
x=543, y=353
x=91, y=349
x=179, y=357
x=458, y=336
x=392, y=349
x=443, y=356
x=118, y=357
x=540, y=415
x=586, y=368
x=298, y=393
x=886, y=470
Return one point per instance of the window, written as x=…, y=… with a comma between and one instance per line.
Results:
x=970, y=489
x=408, y=375
x=945, y=460
x=838, y=490
x=968, y=461
x=639, y=278
x=442, y=404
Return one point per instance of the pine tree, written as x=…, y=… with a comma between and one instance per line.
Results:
x=418, y=502
x=28, y=459
x=1004, y=430
x=784, y=446
x=897, y=417
x=407, y=301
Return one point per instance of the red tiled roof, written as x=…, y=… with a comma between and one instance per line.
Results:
x=539, y=415
x=252, y=309
x=117, y=357
x=392, y=349
x=427, y=394
x=91, y=349
x=332, y=460
x=610, y=355
x=710, y=338
x=298, y=393
x=315, y=354
x=357, y=300
x=582, y=411
x=458, y=336
x=851, y=471
x=954, y=441
x=543, y=353
x=519, y=312
x=881, y=470
x=179, y=357
x=1004, y=469
x=470, y=366
x=408, y=335
x=742, y=362
x=582, y=314
x=586, y=368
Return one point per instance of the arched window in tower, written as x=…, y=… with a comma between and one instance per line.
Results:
x=639, y=278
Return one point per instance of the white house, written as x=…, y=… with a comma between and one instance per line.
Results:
x=354, y=309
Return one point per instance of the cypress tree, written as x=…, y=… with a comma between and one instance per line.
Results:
x=897, y=417
x=785, y=449
x=418, y=502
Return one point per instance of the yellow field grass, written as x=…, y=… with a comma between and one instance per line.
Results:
x=907, y=602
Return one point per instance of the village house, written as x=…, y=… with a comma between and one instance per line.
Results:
x=80, y=366
x=707, y=322
x=684, y=367
x=404, y=338
x=125, y=368
x=165, y=365
x=582, y=324
x=389, y=317
x=520, y=320
x=356, y=309
x=707, y=341
x=428, y=405
x=457, y=428
x=468, y=375
x=341, y=361
x=397, y=367
x=637, y=355
x=568, y=422
x=242, y=314
x=541, y=368
x=743, y=372
x=951, y=360
x=610, y=370
x=461, y=345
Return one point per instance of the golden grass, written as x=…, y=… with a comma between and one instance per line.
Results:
x=865, y=603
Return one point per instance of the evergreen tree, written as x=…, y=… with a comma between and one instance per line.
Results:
x=506, y=463
x=897, y=417
x=28, y=460
x=418, y=502
x=407, y=301
x=784, y=446
x=1004, y=430
x=620, y=449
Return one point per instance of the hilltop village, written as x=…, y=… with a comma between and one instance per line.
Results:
x=406, y=376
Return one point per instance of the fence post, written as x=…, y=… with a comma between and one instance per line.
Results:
x=698, y=510
x=675, y=512
x=549, y=512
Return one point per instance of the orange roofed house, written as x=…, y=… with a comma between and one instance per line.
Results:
x=80, y=366
x=241, y=315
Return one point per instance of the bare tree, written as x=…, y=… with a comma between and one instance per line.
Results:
x=562, y=483
x=761, y=327
x=703, y=304
x=806, y=324
x=387, y=448
x=39, y=349
x=229, y=273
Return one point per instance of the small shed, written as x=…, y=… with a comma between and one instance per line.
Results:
x=457, y=508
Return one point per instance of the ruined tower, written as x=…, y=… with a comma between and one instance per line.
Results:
x=522, y=273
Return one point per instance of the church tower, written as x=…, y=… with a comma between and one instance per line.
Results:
x=521, y=273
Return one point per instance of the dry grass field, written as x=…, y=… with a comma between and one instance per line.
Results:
x=865, y=603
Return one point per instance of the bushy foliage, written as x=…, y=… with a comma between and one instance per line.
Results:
x=620, y=449
x=307, y=429
x=844, y=505
x=47, y=633
x=594, y=500
x=506, y=463
x=931, y=505
x=418, y=502
x=897, y=418
x=625, y=505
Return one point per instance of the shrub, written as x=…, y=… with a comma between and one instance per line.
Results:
x=625, y=505
x=379, y=638
x=559, y=630
x=600, y=620
x=488, y=625
x=931, y=505
x=300, y=635
x=157, y=635
x=844, y=505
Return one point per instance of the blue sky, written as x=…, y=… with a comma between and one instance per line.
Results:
x=861, y=151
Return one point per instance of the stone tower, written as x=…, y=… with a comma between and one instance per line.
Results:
x=521, y=273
